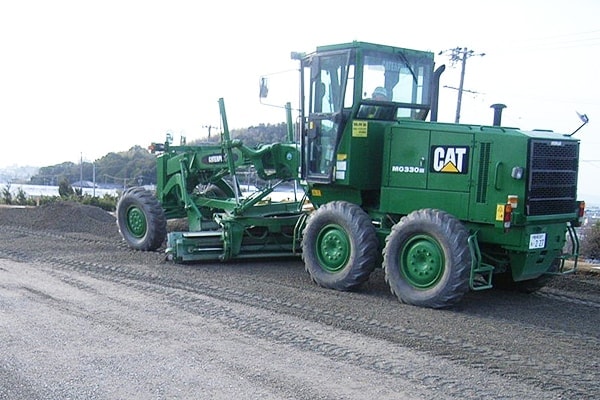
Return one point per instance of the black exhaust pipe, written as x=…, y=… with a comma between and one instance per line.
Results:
x=435, y=92
x=498, y=113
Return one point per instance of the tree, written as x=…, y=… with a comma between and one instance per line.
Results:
x=261, y=134
x=590, y=243
x=112, y=168
x=138, y=165
x=65, y=189
x=21, y=197
x=6, y=194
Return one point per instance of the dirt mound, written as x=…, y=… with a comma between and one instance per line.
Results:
x=63, y=216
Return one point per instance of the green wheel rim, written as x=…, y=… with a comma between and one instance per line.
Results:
x=422, y=262
x=333, y=248
x=136, y=222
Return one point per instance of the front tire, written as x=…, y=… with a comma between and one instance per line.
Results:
x=426, y=259
x=141, y=219
x=339, y=246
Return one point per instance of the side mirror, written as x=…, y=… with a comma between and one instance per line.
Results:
x=584, y=120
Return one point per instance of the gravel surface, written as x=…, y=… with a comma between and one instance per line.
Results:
x=85, y=317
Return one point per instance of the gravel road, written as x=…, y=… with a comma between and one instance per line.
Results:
x=82, y=316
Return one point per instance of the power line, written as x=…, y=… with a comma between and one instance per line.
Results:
x=460, y=54
x=553, y=42
x=572, y=38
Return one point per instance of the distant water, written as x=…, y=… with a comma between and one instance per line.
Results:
x=42, y=190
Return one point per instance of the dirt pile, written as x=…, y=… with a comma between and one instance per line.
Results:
x=63, y=216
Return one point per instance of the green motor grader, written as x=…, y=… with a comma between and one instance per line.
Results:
x=442, y=208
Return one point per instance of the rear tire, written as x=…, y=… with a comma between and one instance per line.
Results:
x=141, y=219
x=219, y=191
x=426, y=259
x=339, y=246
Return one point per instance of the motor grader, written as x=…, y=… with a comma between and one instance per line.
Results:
x=443, y=208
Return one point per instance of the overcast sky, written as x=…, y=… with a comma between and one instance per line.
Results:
x=84, y=78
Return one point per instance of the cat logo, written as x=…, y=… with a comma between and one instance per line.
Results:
x=454, y=160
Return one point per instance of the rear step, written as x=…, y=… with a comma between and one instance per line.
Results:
x=481, y=273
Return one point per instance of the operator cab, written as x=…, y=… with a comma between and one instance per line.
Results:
x=336, y=86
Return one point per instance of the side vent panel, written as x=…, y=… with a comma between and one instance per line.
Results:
x=484, y=169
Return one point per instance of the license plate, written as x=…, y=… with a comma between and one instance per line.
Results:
x=537, y=241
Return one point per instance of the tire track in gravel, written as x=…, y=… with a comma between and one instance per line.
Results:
x=122, y=246
x=185, y=295
x=440, y=376
x=501, y=362
x=568, y=297
x=20, y=231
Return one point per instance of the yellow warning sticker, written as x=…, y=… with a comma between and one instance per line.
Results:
x=499, y=212
x=359, y=128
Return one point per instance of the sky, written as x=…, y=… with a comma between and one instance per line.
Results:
x=80, y=79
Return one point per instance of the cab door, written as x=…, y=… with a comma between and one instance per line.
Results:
x=325, y=122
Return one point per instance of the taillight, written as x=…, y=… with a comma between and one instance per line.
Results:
x=507, y=216
x=580, y=213
x=513, y=200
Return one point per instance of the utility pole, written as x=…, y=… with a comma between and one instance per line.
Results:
x=94, y=179
x=460, y=54
x=210, y=127
x=81, y=172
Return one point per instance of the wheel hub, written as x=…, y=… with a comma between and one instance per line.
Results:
x=333, y=248
x=422, y=262
x=136, y=222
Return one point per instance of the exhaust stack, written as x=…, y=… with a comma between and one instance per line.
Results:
x=498, y=113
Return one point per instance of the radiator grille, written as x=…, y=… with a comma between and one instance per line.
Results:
x=552, y=178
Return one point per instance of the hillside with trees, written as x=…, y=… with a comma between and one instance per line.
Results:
x=137, y=165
